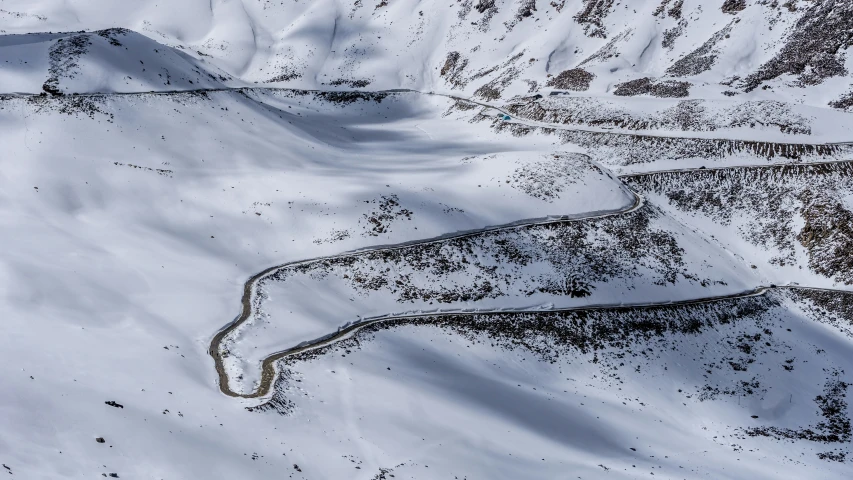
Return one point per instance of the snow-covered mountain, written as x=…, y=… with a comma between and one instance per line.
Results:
x=493, y=49
x=413, y=239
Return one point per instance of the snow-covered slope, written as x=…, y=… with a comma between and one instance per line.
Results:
x=728, y=389
x=104, y=61
x=415, y=239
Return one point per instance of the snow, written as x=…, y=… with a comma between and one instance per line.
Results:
x=473, y=402
x=157, y=155
x=289, y=315
x=107, y=61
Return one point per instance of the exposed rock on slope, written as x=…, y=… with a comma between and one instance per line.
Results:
x=575, y=79
x=815, y=48
x=592, y=17
x=645, y=86
x=683, y=115
x=786, y=209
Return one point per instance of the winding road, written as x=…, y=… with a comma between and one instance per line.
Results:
x=268, y=373
x=268, y=364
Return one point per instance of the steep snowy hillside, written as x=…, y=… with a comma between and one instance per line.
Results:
x=378, y=239
x=103, y=61
x=732, y=388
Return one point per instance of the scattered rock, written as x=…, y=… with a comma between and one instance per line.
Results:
x=733, y=6
x=576, y=79
x=645, y=86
